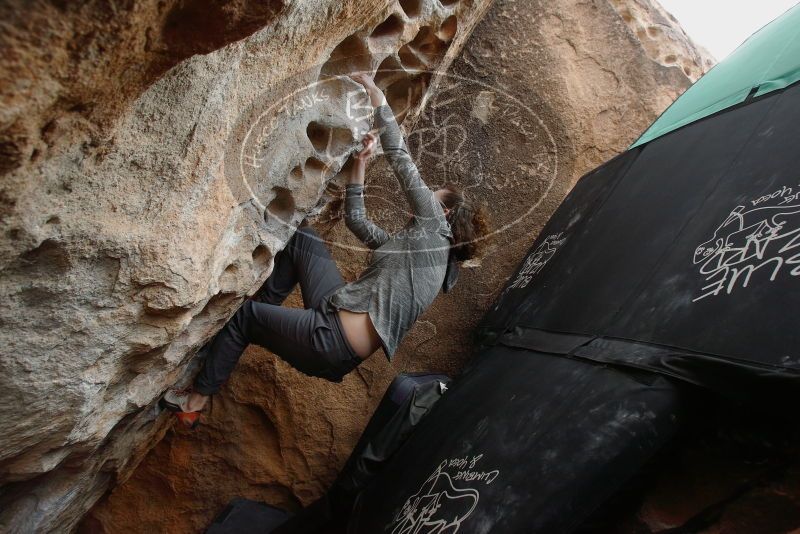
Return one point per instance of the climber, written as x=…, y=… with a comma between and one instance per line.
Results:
x=343, y=324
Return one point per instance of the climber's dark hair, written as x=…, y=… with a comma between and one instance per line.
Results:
x=468, y=221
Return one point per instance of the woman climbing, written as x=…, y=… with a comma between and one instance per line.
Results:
x=343, y=324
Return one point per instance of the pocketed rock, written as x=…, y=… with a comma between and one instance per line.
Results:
x=150, y=172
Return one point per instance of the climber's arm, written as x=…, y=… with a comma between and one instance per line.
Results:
x=420, y=197
x=355, y=218
x=355, y=213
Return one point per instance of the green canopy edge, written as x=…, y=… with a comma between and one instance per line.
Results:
x=767, y=61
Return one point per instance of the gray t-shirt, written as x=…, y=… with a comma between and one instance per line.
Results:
x=408, y=267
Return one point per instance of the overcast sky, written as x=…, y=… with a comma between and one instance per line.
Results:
x=722, y=25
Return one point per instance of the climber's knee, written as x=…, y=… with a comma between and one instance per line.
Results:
x=304, y=238
x=304, y=243
x=304, y=232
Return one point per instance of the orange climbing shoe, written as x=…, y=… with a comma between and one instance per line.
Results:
x=177, y=400
x=189, y=419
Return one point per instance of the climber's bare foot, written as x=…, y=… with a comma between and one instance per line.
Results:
x=197, y=401
x=181, y=400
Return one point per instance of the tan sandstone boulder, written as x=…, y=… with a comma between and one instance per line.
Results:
x=155, y=155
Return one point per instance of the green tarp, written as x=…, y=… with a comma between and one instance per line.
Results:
x=768, y=61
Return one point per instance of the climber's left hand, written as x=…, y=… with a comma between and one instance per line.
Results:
x=368, y=149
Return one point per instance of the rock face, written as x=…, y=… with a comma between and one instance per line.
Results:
x=663, y=39
x=542, y=92
x=155, y=156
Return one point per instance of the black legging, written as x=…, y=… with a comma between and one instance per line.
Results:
x=311, y=340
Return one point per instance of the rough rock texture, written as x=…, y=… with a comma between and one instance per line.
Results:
x=662, y=37
x=145, y=190
x=542, y=92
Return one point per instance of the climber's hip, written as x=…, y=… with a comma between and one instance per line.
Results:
x=310, y=340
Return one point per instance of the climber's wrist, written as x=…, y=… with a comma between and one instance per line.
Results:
x=376, y=96
x=357, y=172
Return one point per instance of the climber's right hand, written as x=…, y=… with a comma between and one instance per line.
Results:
x=366, y=80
